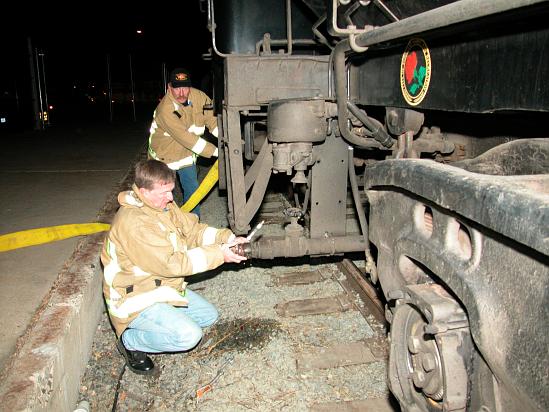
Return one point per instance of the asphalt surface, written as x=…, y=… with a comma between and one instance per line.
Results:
x=59, y=176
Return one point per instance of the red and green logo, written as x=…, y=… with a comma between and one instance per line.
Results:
x=415, y=71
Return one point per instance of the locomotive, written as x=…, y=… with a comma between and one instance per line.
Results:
x=433, y=114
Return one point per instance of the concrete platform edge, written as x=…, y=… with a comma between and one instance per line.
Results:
x=46, y=370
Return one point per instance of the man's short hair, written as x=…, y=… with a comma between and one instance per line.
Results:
x=148, y=172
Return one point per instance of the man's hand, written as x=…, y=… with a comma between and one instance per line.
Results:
x=239, y=240
x=229, y=255
x=197, y=130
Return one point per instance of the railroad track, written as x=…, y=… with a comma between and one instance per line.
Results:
x=357, y=294
x=293, y=335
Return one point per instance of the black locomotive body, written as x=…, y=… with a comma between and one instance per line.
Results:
x=435, y=112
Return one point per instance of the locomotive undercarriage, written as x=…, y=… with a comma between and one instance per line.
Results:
x=439, y=254
x=455, y=226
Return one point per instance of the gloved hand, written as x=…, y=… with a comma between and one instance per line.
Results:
x=197, y=130
x=229, y=255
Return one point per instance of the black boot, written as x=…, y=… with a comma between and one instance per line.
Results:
x=137, y=361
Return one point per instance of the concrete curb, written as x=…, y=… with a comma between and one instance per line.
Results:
x=45, y=371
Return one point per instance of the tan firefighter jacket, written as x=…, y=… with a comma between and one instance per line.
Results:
x=149, y=251
x=176, y=129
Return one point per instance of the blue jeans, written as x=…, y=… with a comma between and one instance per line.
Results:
x=189, y=183
x=166, y=328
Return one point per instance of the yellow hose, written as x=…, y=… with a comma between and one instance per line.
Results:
x=42, y=235
x=209, y=181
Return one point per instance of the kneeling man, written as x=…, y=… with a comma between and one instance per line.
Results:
x=151, y=247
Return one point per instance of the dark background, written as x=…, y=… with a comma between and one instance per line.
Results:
x=76, y=46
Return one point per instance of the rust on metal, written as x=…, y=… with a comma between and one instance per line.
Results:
x=364, y=288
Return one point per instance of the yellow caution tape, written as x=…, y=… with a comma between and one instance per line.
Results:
x=42, y=235
x=209, y=181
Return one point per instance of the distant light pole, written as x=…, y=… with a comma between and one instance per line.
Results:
x=109, y=86
x=34, y=91
x=38, y=86
x=40, y=101
x=46, y=106
x=133, y=93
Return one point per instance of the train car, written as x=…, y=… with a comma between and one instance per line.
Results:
x=434, y=115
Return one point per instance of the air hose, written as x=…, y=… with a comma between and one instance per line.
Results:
x=42, y=235
x=33, y=237
x=209, y=181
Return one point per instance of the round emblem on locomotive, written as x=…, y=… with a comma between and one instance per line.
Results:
x=415, y=71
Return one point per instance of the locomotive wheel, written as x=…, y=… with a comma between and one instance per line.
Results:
x=426, y=372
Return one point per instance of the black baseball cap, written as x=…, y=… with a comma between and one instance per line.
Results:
x=180, y=78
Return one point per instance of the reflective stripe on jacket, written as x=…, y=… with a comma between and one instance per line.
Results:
x=148, y=252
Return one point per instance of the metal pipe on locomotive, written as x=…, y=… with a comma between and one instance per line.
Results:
x=442, y=106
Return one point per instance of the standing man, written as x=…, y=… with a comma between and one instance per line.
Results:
x=179, y=122
x=151, y=247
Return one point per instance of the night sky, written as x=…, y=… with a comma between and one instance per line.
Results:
x=76, y=46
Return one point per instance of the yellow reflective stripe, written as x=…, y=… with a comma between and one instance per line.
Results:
x=152, y=153
x=197, y=130
x=110, y=271
x=208, y=238
x=107, y=247
x=186, y=161
x=112, y=268
x=173, y=240
x=199, y=146
x=139, y=302
x=198, y=259
x=137, y=271
x=109, y=306
x=151, y=150
x=114, y=294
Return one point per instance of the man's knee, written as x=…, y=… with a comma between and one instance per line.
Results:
x=186, y=338
x=213, y=316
